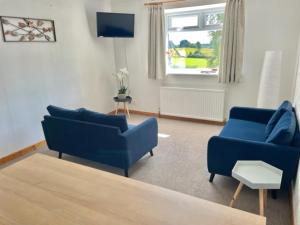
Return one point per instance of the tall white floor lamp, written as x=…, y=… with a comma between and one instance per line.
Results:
x=269, y=89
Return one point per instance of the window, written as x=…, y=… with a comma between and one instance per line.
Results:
x=193, y=39
x=184, y=21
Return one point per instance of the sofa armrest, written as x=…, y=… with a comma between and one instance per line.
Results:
x=141, y=138
x=253, y=114
x=224, y=152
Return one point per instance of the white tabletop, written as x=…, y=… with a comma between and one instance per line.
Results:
x=257, y=174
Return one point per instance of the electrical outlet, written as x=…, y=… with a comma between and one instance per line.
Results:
x=133, y=102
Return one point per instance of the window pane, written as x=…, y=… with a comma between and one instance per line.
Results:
x=194, y=52
x=194, y=42
x=214, y=19
x=184, y=21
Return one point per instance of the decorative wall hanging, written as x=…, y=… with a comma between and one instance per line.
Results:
x=17, y=29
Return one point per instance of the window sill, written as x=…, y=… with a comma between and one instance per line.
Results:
x=192, y=74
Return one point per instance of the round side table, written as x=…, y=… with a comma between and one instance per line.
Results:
x=125, y=102
x=256, y=175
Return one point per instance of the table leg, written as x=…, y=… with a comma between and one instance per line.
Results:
x=265, y=198
x=127, y=110
x=117, y=109
x=261, y=202
x=236, y=194
x=124, y=107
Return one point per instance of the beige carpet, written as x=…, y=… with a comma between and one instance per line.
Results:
x=179, y=163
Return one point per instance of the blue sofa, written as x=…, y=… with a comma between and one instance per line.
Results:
x=257, y=134
x=98, y=137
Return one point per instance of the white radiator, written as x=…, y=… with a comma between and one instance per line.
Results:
x=192, y=103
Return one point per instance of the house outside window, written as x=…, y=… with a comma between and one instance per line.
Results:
x=194, y=38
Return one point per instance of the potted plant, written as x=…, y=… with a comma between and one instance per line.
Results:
x=122, y=93
x=122, y=78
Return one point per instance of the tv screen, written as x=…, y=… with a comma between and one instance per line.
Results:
x=115, y=25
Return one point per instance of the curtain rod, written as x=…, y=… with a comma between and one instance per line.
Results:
x=162, y=2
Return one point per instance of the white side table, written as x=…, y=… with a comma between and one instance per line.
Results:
x=256, y=175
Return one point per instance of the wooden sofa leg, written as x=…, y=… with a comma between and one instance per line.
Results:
x=60, y=155
x=274, y=194
x=211, y=178
x=126, y=172
x=151, y=153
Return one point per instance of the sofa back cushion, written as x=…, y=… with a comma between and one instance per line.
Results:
x=64, y=113
x=119, y=121
x=296, y=139
x=284, y=131
x=285, y=106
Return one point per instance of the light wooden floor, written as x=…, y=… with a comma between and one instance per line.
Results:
x=179, y=163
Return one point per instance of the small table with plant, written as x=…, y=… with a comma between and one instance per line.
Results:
x=122, y=77
x=125, y=102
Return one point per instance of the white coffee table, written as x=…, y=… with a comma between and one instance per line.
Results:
x=256, y=175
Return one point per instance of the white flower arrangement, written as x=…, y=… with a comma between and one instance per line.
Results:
x=122, y=77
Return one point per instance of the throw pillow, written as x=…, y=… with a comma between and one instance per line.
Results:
x=64, y=113
x=109, y=120
x=284, y=131
x=285, y=106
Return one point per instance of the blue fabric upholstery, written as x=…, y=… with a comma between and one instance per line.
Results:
x=100, y=143
x=142, y=136
x=284, y=130
x=251, y=114
x=296, y=139
x=243, y=138
x=130, y=126
x=64, y=113
x=236, y=129
x=119, y=121
x=284, y=107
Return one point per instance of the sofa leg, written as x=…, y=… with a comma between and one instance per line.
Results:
x=126, y=172
x=211, y=178
x=274, y=194
x=59, y=155
x=151, y=153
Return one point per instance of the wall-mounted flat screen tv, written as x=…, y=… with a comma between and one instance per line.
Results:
x=118, y=25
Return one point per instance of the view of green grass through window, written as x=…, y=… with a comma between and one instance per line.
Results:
x=194, y=42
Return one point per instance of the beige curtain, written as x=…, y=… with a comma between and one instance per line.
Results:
x=156, y=47
x=232, y=49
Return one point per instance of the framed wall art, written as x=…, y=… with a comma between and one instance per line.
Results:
x=18, y=29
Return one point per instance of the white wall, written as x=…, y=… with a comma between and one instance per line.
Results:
x=270, y=25
x=73, y=72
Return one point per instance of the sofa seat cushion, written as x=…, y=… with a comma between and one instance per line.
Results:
x=119, y=121
x=285, y=106
x=130, y=126
x=64, y=113
x=284, y=131
x=245, y=130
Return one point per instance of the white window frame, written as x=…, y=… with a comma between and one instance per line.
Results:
x=201, y=12
x=169, y=23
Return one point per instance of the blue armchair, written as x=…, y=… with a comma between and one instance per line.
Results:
x=99, y=142
x=244, y=138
